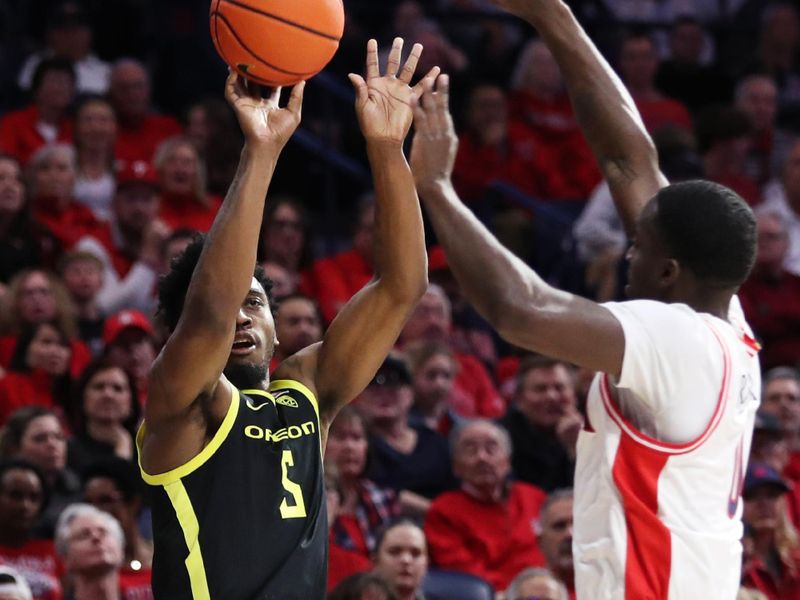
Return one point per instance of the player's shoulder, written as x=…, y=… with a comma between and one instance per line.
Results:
x=653, y=312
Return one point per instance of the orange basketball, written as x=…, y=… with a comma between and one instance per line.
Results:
x=277, y=42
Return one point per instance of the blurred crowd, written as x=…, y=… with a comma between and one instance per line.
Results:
x=450, y=476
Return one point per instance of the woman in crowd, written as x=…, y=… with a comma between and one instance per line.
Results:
x=35, y=434
x=23, y=497
x=23, y=243
x=285, y=240
x=51, y=183
x=401, y=558
x=185, y=201
x=433, y=368
x=363, y=507
x=36, y=296
x=38, y=373
x=93, y=137
x=105, y=415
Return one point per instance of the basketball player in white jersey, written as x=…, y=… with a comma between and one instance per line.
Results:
x=670, y=414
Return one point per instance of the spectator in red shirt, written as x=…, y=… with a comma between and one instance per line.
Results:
x=52, y=180
x=432, y=321
x=774, y=568
x=757, y=96
x=363, y=506
x=185, y=201
x=540, y=102
x=24, y=243
x=113, y=486
x=723, y=141
x=129, y=245
x=488, y=527
x=93, y=137
x=341, y=562
x=491, y=149
x=780, y=398
x=141, y=129
x=34, y=297
x=638, y=65
x=44, y=121
x=771, y=295
x=130, y=343
x=39, y=370
x=91, y=544
x=23, y=497
x=335, y=279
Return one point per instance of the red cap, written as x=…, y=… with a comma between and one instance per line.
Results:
x=437, y=259
x=137, y=171
x=125, y=319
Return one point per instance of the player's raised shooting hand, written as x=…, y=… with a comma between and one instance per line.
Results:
x=384, y=102
x=435, y=144
x=262, y=120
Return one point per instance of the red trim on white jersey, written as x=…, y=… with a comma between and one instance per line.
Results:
x=648, y=557
x=629, y=428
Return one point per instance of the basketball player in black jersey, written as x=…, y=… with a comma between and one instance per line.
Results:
x=235, y=460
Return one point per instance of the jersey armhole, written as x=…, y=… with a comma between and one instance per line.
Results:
x=201, y=458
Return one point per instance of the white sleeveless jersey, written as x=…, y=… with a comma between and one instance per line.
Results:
x=662, y=457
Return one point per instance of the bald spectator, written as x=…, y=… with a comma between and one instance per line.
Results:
x=555, y=537
x=141, y=129
x=432, y=321
x=780, y=398
x=685, y=76
x=90, y=543
x=469, y=529
x=129, y=245
x=68, y=34
x=757, y=97
x=771, y=295
x=782, y=196
x=298, y=324
x=638, y=64
x=536, y=583
x=543, y=423
x=44, y=121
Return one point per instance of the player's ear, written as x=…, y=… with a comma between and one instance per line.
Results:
x=670, y=272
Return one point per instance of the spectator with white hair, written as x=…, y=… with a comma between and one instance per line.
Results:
x=90, y=543
x=535, y=582
x=468, y=529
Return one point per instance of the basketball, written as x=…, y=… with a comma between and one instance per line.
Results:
x=276, y=42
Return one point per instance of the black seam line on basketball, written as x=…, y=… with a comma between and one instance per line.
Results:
x=283, y=20
x=256, y=56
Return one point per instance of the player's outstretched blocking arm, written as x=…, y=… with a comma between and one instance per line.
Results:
x=190, y=365
x=367, y=327
x=523, y=308
x=605, y=110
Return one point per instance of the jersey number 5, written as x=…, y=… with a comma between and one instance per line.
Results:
x=297, y=509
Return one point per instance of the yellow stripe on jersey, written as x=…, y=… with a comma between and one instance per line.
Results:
x=191, y=531
x=198, y=461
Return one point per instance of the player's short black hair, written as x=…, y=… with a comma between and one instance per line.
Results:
x=51, y=64
x=173, y=286
x=709, y=229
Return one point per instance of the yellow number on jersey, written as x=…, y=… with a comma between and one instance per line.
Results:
x=299, y=509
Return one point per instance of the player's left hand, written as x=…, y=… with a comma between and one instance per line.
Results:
x=383, y=102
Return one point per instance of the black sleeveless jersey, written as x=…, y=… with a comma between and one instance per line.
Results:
x=245, y=519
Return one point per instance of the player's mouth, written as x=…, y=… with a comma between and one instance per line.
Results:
x=243, y=345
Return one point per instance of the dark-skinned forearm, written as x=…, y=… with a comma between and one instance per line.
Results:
x=400, y=257
x=225, y=269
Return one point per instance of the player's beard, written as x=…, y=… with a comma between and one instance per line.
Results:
x=246, y=376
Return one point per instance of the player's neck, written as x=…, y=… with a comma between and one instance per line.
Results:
x=703, y=298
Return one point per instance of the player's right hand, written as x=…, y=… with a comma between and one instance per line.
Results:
x=263, y=122
x=433, y=150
